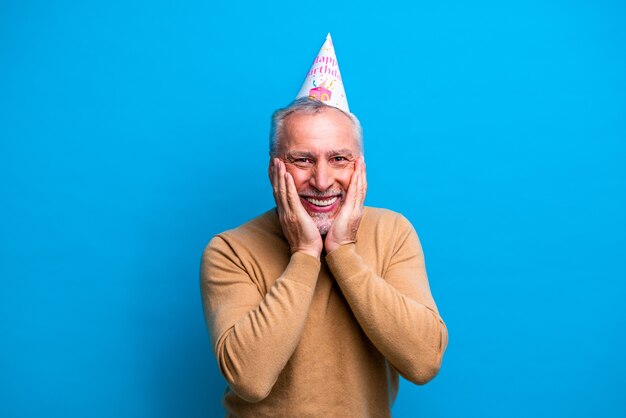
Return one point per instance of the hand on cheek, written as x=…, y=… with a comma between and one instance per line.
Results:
x=297, y=225
x=346, y=224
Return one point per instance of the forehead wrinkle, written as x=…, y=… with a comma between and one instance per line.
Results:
x=330, y=153
x=317, y=133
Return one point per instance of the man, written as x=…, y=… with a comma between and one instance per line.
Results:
x=316, y=306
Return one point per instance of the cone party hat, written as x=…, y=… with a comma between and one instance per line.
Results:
x=323, y=81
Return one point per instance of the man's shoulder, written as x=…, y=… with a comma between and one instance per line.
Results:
x=266, y=221
x=385, y=225
x=384, y=216
x=385, y=231
x=262, y=228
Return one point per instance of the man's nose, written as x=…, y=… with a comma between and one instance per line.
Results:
x=322, y=178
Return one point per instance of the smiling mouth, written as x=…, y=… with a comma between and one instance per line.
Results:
x=321, y=202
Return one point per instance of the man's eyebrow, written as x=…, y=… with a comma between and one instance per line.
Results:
x=343, y=151
x=299, y=154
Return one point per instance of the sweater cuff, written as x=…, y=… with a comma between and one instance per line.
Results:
x=345, y=263
x=303, y=268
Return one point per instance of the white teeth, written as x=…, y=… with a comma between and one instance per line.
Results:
x=322, y=203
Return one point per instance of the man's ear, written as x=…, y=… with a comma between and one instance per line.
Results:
x=269, y=169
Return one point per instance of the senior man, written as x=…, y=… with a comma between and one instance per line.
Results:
x=317, y=306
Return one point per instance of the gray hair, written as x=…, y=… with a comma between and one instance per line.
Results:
x=307, y=106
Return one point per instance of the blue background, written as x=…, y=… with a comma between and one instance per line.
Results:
x=132, y=131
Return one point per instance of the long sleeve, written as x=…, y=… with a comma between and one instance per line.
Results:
x=254, y=334
x=396, y=311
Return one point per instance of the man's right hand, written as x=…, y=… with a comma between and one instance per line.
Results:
x=298, y=227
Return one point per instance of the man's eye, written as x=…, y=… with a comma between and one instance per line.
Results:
x=302, y=162
x=339, y=160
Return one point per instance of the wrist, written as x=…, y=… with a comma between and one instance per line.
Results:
x=310, y=251
x=331, y=246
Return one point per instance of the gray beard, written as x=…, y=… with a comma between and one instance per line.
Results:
x=323, y=222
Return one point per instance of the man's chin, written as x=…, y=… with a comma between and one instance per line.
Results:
x=323, y=229
x=323, y=222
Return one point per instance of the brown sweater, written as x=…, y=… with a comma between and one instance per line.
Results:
x=294, y=336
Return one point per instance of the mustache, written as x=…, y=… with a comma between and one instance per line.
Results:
x=317, y=193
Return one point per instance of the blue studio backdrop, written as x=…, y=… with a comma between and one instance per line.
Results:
x=133, y=131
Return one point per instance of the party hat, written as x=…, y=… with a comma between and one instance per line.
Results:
x=323, y=81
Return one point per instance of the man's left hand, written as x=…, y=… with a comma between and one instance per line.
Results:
x=346, y=224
